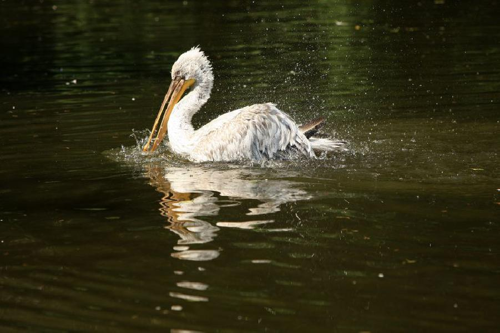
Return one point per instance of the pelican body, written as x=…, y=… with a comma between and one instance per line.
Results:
x=257, y=132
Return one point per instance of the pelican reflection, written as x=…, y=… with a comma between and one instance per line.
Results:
x=193, y=192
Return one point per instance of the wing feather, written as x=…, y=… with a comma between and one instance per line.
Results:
x=256, y=132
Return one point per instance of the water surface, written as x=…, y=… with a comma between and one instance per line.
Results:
x=399, y=233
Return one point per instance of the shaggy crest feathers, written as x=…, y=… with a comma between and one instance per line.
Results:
x=193, y=64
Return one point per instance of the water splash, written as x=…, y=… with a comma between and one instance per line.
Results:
x=136, y=157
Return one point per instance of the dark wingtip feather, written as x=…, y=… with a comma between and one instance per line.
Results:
x=312, y=127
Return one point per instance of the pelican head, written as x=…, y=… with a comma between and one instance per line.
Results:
x=191, y=69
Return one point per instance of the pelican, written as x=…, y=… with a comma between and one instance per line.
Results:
x=256, y=133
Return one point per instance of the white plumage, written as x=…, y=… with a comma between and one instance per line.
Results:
x=257, y=132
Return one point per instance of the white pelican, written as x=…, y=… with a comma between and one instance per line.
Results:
x=257, y=132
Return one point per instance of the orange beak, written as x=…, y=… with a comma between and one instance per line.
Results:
x=174, y=94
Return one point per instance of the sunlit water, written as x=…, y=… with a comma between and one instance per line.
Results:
x=398, y=233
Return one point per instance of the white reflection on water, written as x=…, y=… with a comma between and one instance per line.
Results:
x=192, y=285
x=196, y=255
x=194, y=191
x=243, y=225
x=190, y=298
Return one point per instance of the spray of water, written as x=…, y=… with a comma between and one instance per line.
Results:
x=134, y=156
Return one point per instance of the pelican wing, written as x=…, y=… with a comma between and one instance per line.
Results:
x=312, y=128
x=256, y=132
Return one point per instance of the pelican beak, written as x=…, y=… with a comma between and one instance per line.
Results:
x=174, y=94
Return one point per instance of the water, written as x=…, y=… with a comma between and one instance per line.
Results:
x=399, y=233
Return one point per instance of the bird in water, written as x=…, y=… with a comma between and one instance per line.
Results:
x=255, y=133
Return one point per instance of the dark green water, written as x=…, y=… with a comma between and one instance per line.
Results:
x=399, y=233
